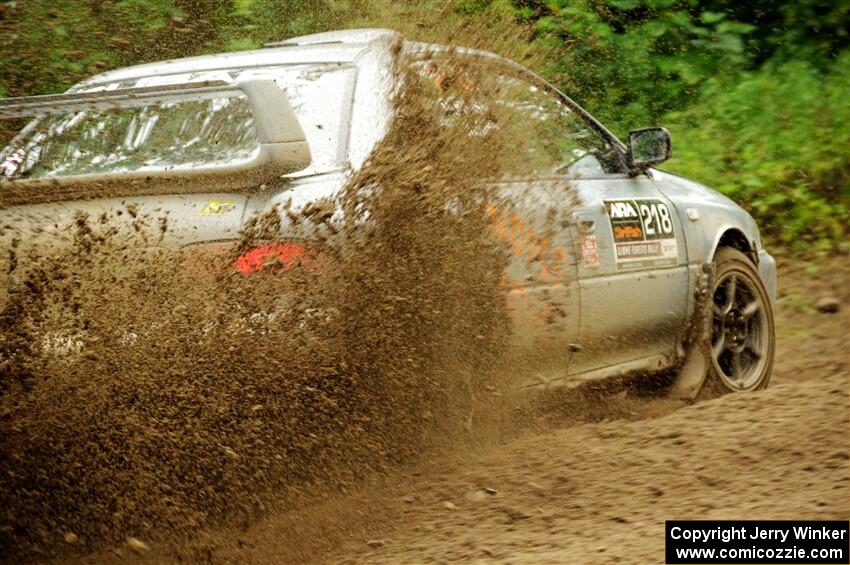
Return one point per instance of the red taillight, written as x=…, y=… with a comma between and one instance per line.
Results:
x=285, y=255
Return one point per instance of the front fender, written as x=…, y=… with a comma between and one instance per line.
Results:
x=709, y=217
x=706, y=216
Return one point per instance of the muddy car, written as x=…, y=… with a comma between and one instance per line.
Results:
x=663, y=273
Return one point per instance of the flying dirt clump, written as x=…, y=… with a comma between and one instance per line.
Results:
x=146, y=391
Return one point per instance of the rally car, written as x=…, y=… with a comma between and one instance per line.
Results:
x=663, y=273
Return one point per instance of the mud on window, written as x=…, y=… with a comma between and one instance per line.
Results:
x=187, y=134
x=158, y=136
x=551, y=136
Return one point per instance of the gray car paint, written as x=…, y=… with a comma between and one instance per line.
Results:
x=627, y=320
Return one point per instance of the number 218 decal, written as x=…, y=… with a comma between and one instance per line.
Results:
x=657, y=223
x=643, y=231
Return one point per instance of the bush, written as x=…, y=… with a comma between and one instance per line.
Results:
x=776, y=141
x=752, y=91
x=632, y=61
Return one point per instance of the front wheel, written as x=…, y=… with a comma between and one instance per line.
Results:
x=743, y=339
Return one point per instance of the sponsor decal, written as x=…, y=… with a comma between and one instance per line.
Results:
x=643, y=233
x=590, y=252
x=217, y=207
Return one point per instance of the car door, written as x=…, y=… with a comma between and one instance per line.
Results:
x=633, y=277
x=629, y=256
x=529, y=212
x=541, y=278
x=543, y=297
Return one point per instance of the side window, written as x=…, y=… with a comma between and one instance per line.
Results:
x=555, y=139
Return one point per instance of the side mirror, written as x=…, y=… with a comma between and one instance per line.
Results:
x=647, y=147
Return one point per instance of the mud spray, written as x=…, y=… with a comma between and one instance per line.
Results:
x=147, y=392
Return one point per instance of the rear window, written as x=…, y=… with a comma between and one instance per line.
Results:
x=160, y=136
x=185, y=134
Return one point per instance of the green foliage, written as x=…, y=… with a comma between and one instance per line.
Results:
x=755, y=92
x=777, y=142
x=47, y=45
x=817, y=30
x=632, y=61
x=251, y=23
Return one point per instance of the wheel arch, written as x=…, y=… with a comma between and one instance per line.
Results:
x=735, y=238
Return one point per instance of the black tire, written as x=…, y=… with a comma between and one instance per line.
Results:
x=743, y=337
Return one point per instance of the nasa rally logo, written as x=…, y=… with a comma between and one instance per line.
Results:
x=621, y=209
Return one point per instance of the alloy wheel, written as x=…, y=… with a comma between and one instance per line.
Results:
x=740, y=337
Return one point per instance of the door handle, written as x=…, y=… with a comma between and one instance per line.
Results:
x=585, y=224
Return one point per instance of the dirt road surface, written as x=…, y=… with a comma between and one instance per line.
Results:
x=599, y=493
x=594, y=483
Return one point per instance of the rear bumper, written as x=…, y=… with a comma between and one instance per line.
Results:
x=767, y=270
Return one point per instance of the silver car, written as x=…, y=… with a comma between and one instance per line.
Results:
x=665, y=274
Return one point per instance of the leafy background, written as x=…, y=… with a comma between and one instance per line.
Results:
x=755, y=93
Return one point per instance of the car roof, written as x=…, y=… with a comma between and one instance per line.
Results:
x=329, y=47
x=343, y=46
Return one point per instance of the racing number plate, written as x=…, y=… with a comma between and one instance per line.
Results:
x=643, y=232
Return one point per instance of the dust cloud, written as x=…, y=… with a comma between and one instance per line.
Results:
x=148, y=391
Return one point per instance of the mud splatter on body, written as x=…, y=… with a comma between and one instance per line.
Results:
x=147, y=391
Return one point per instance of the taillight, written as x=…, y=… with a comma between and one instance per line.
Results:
x=281, y=255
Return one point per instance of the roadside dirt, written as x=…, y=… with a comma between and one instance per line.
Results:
x=811, y=344
x=594, y=481
x=599, y=493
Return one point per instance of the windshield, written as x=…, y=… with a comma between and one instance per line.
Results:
x=160, y=136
